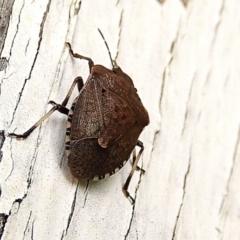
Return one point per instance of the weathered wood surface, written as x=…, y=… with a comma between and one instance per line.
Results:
x=184, y=59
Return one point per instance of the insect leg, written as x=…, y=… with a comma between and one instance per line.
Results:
x=133, y=160
x=59, y=107
x=30, y=130
x=76, y=55
x=134, y=167
x=79, y=82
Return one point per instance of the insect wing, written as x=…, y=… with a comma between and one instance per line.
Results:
x=88, y=121
x=89, y=160
x=121, y=85
x=118, y=118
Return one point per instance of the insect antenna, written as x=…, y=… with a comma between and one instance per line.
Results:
x=112, y=62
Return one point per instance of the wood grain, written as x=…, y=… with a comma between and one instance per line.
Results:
x=184, y=61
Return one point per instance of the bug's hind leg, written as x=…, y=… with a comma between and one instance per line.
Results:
x=134, y=167
x=76, y=55
x=59, y=107
x=133, y=160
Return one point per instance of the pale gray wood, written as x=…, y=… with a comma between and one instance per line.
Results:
x=183, y=57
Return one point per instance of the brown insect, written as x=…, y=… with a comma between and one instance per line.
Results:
x=104, y=123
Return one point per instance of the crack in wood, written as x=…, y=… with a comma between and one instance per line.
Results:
x=77, y=7
x=164, y=75
x=162, y=90
x=11, y=160
x=26, y=48
x=32, y=229
x=5, y=79
x=185, y=2
x=187, y=105
x=218, y=23
x=209, y=73
x=154, y=141
x=72, y=209
x=34, y=60
x=162, y=1
x=74, y=8
x=4, y=217
x=224, y=200
x=117, y=2
x=24, y=233
x=30, y=173
x=184, y=192
x=62, y=235
x=15, y=35
x=2, y=140
x=19, y=201
x=33, y=160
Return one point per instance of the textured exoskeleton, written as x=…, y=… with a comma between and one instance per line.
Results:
x=103, y=125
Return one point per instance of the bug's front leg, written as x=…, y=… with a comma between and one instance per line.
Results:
x=76, y=55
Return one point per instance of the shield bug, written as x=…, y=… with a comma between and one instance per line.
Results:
x=104, y=123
